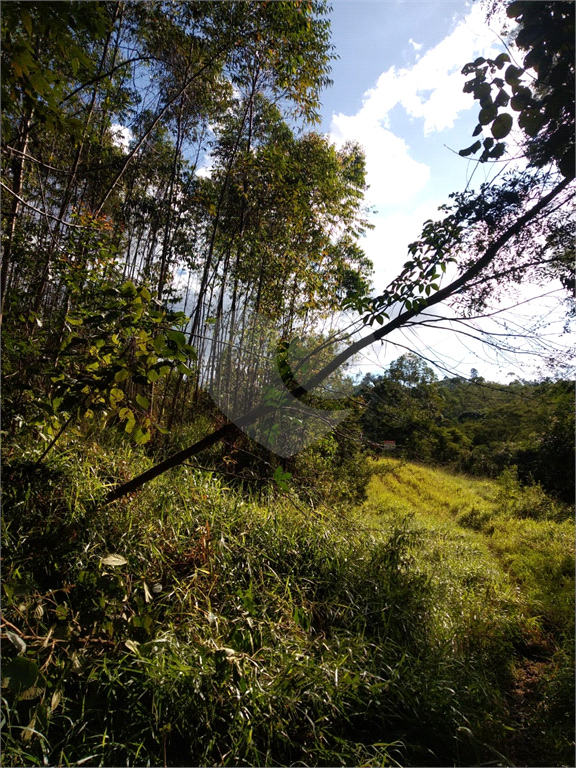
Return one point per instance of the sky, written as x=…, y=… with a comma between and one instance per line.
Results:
x=397, y=90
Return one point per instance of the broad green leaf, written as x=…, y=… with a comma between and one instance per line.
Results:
x=177, y=337
x=130, y=422
x=152, y=376
x=515, y=9
x=141, y=436
x=143, y=402
x=128, y=289
x=512, y=74
x=122, y=375
x=501, y=59
x=488, y=114
x=470, y=150
x=498, y=151
x=482, y=91
x=502, y=126
x=502, y=98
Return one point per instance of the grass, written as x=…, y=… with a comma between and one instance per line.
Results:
x=531, y=535
x=239, y=631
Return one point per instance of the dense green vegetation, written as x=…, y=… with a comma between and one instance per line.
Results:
x=197, y=625
x=474, y=425
x=174, y=236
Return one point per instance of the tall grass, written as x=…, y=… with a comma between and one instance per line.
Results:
x=531, y=534
x=237, y=631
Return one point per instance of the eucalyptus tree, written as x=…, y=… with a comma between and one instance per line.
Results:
x=83, y=205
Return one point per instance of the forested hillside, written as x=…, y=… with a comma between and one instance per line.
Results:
x=473, y=425
x=207, y=557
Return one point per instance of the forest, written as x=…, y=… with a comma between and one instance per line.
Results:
x=211, y=554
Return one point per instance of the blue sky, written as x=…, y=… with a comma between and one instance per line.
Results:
x=398, y=92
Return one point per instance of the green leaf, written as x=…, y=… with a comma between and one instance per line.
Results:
x=501, y=59
x=114, y=560
x=502, y=126
x=488, y=114
x=128, y=289
x=482, y=90
x=122, y=375
x=470, y=150
x=498, y=151
x=74, y=320
x=141, y=436
x=26, y=21
x=143, y=402
x=20, y=674
x=530, y=121
x=280, y=477
x=516, y=8
x=512, y=74
x=177, y=337
x=502, y=98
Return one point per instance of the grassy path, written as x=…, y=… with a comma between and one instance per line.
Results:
x=529, y=560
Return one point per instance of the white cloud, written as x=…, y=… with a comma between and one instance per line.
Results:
x=387, y=244
x=431, y=89
x=416, y=46
x=205, y=171
x=393, y=176
x=121, y=136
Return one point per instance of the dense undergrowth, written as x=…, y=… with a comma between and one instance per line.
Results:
x=230, y=630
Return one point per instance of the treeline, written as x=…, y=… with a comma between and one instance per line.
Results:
x=473, y=425
x=164, y=191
